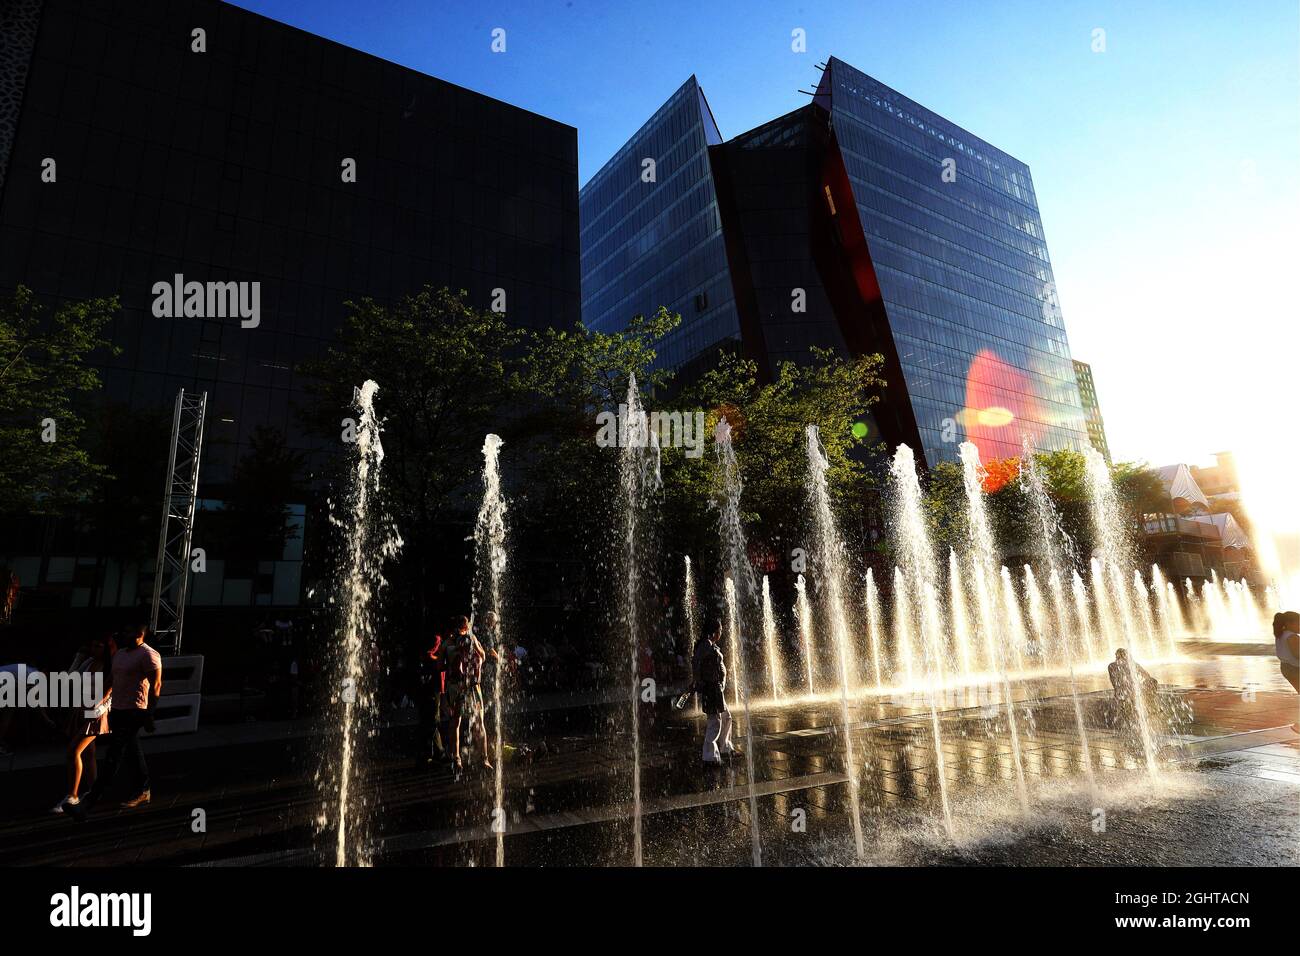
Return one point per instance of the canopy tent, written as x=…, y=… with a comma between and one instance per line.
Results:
x=1179, y=483
x=1232, y=533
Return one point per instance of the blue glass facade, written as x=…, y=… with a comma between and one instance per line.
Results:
x=652, y=235
x=903, y=233
x=963, y=270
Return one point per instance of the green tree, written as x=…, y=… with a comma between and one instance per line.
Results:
x=1064, y=476
x=44, y=376
x=1139, y=489
x=570, y=376
x=569, y=491
x=769, y=422
x=1011, y=515
x=447, y=374
x=945, y=506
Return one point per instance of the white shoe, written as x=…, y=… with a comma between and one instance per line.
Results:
x=66, y=801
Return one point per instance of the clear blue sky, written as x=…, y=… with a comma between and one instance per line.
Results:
x=1166, y=166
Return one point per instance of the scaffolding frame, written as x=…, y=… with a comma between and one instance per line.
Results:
x=171, y=581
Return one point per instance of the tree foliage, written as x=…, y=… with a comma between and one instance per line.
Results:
x=447, y=375
x=769, y=422
x=44, y=382
x=1010, y=511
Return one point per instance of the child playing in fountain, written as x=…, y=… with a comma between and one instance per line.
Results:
x=710, y=672
x=1122, y=671
x=465, y=657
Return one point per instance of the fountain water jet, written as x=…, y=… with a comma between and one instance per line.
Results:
x=1108, y=527
x=1059, y=550
x=803, y=614
x=960, y=618
x=1142, y=602
x=1166, y=614
x=874, y=625
x=769, y=639
x=741, y=579
x=1037, y=615
x=1015, y=621
x=1088, y=639
x=983, y=560
x=931, y=628
x=831, y=557
x=638, y=480
x=916, y=552
x=904, y=659
x=490, y=553
x=367, y=544
x=691, y=608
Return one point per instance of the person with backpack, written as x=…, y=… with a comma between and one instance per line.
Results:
x=465, y=656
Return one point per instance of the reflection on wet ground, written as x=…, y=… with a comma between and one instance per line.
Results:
x=1228, y=790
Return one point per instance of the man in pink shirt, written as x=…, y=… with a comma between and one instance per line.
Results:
x=137, y=683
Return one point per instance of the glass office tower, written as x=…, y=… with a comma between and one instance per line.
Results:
x=865, y=223
x=651, y=232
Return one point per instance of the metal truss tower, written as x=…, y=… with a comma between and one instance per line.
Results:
x=171, y=581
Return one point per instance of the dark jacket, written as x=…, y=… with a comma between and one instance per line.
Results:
x=710, y=677
x=708, y=666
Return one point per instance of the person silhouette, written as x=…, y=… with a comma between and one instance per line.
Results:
x=710, y=672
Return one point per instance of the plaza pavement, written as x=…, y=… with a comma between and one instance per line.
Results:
x=1228, y=789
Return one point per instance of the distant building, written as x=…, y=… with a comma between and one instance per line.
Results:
x=1219, y=481
x=1091, y=408
x=861, y=223
x=1192, y=539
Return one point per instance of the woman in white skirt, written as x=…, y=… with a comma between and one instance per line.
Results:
x=86, y=727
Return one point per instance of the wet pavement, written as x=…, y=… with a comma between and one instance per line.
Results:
x=1226, y=790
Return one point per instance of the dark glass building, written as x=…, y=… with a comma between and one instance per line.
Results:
x=225, y=164
x=652, y=232
x=861, y=222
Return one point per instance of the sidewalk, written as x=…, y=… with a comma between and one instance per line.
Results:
x=1233, y=785
x=259, y=731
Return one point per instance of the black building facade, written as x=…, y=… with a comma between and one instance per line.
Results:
x=861, y=222
x=192, y=138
